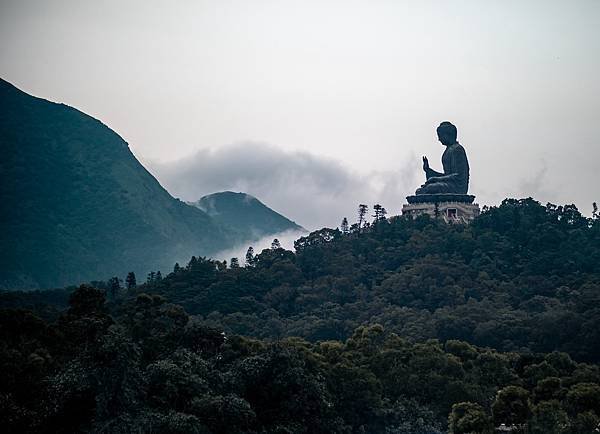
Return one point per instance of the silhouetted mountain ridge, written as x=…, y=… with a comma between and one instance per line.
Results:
x=78, y=206
x=245, y=214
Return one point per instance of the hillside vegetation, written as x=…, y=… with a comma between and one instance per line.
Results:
x=78, y=206
x=405, y=326
x=522, y=277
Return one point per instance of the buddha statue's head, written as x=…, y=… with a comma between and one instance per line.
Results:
x=446, y=133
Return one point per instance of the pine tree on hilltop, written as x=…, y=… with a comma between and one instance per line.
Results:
x=250, y=257
x=380, y=213
x=362, y=212
x=377, y=210
x=344, y=226
x=114, y=285
x=130, y=280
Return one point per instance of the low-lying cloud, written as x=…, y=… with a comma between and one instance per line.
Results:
x=286, y=240
x=313, y=191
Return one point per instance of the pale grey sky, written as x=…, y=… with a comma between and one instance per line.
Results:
x=359, y=83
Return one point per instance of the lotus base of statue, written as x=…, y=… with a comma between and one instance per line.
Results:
x=440, y=198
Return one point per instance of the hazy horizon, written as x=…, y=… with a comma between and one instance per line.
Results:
x=316, y=107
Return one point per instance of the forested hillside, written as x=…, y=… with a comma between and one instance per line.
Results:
x=401, y=326
x=521, y=277
x=78, y=206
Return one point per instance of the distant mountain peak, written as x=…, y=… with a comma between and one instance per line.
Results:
x=78, y=205
x=208, y=203
x=245, y=213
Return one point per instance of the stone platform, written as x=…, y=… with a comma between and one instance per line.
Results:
x=453, y=208
x=440, y=197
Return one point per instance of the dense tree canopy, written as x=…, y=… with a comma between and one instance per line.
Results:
x=521, y=277
x=153, y=368
x=401, y=326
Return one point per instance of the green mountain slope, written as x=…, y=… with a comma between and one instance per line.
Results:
x=77, y=205
x=521, y=276
x=409, y=326
x=245, y=214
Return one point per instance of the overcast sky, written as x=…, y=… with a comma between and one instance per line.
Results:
x=315, y=106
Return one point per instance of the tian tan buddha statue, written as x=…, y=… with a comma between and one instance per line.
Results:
x=455, y=179
x=444, y=195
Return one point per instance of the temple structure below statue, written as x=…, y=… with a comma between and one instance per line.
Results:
x=452, y=208
x=444, y=194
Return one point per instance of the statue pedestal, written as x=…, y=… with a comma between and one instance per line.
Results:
x=453, y=208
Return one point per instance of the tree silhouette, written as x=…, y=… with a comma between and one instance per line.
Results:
x=130, y=280
x=250, y=257
x=377, y=212
x=344, y=226
x=362, y=212
x=114, y=285
x=380, y=213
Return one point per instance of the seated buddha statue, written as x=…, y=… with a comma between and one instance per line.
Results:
x=455, y=179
